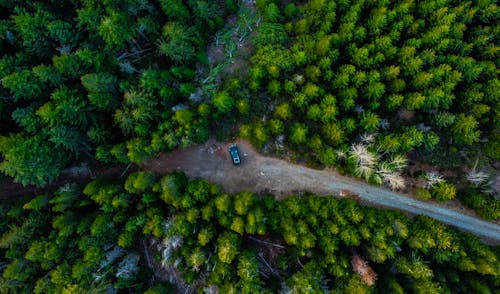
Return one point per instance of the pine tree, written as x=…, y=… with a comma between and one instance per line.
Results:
x=464, y=130
x=31, y=160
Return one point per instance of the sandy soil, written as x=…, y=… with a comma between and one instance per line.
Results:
x=258, y=173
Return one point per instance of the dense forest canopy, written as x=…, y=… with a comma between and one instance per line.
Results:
x=419, y=74
x=110, y=79
x=358, y=85
x=353, y=84
x=120, y=236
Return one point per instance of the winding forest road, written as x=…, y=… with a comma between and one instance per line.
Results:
x=258, y=173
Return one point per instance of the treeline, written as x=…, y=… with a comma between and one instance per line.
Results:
x=92, y=239
x=359, y=84
x=114, y=80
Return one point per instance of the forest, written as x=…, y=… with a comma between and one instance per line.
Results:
x=97, y=238
x=362, y=85
x=359, y=86
x=403, y=94
x=110, y=80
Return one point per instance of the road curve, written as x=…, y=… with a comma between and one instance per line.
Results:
x=259, y=173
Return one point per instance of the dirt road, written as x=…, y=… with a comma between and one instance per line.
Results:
x=259, y=173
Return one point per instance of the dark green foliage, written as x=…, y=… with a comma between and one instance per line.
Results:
x=485, y=205
x=65, y=67
x=179, y=42
x=30, y=160
x=116, y=28
x=23, y=85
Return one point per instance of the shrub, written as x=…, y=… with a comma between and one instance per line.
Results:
x=443, y=191
x=422, y=193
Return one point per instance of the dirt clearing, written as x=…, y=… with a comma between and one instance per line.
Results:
x=258, y=173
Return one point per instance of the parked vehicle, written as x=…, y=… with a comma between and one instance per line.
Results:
x=235, y=156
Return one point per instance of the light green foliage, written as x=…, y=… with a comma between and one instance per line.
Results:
x=270, y=33
x=119, y=152
x=260, y=134
x=138, y=112
x=248, y=271
x=243, y=106
x=138, y=150
x=238, y=225
x=276, y=126
x=333, y=133
x=223, y=202
x=204, y=236
x=242, y=202
x=314, y=112
x=415, y=268
x=327, y=156
x=419, y=76
x=308, y=279
x=228, y=246
x=370, y=121
x=298, y=134
x=464, y=129
x=223, y=102
x=284, y=111
x=422, y=193
x=485, y=205
x=47, y=74
x=317, y=237
x=197, y=258
x=139, y=182
x=414, y=101
x=64, y=197
x=443, y=191
x=67, y=64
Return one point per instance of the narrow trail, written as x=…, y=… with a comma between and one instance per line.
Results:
x=259, y=173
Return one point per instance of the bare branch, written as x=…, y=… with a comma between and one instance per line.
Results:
x=268, y=243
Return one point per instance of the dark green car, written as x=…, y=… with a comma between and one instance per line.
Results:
x=235, y=156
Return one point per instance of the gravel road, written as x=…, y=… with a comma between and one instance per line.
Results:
x=259, y=173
